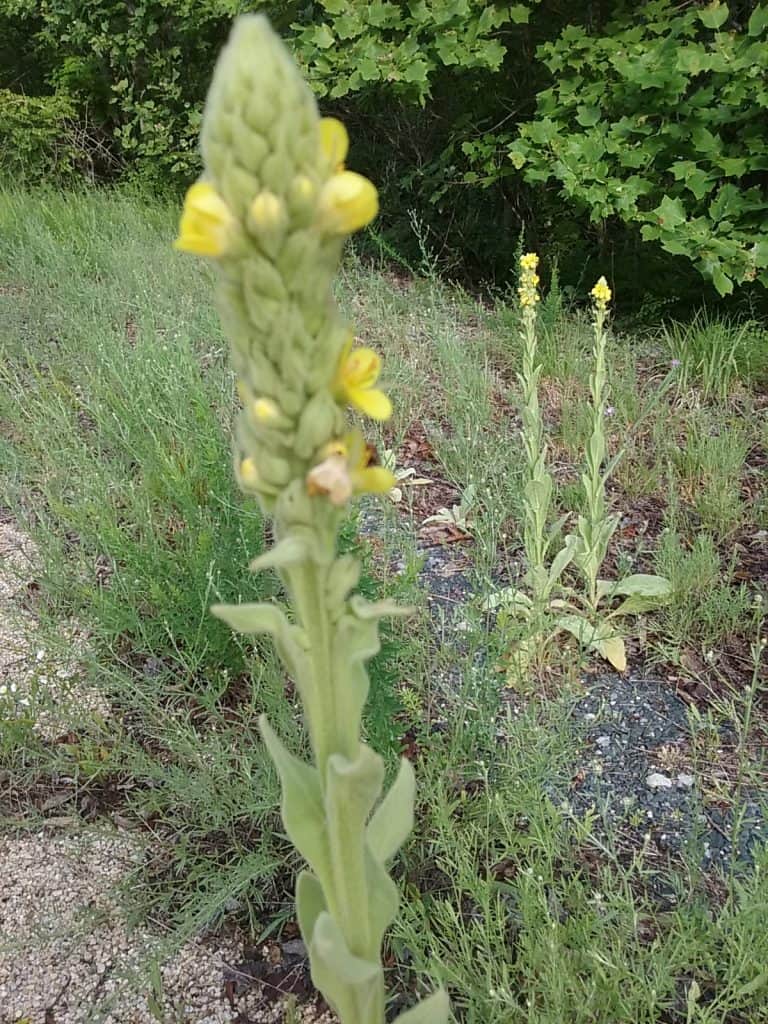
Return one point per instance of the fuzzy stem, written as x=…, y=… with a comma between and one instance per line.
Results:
x=538, y=482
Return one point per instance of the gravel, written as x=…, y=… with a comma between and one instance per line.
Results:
x=634, y=769
x=35, y=681
x=67, y=956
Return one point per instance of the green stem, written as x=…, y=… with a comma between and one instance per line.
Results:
x=347, y=893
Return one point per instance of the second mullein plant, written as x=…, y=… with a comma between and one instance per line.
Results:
x=273, y=209
x=553, y=605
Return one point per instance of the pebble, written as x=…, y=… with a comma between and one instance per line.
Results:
x=658, y=781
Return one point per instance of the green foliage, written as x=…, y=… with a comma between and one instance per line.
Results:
x=138, y=70
x=37, y=137
x=347, y=47
x=629, y=130
x=660, y=121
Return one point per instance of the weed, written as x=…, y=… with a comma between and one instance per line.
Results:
x=710, y=465
x=716, y=354
x=705, y=609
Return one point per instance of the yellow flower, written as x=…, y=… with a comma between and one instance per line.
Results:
x=265, y=411
x=267, y=212
x=358, y=371
x=205, y=224
x=347, y=469
x=529, y=280
x=601, y=293
x=302, y=188
x=249, y=475
x=334, y=142
x=348, y=202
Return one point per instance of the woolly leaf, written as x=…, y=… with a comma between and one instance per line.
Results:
x=302, y=802
x=392, y=820
x=349, y=983
x=435, y=1009
x=310, y=904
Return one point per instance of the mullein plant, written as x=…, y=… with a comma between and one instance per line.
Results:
x=571, y=610
x=583, y=614
x=540, y=578
x=272, y=210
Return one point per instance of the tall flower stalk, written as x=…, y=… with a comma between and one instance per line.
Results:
x=537, y=489
x=273, y=209
x=596, y=526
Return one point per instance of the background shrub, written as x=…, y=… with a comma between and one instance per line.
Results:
x=38, y=138
x=627, y=135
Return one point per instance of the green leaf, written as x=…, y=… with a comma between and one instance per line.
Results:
x=727, y=203
x=384, y=609
x=252, y=618
x=322, y=37
x=644, y=584
x=509, y=597
x=602, y=638
x=435, y=1009
x=392, y=820
x=721, y=281
x=350, y=984
x=562, y=559
x=383, y=897
x=637, y=605
x=520, y=15
x=613, y=650
x=352, y=789
x=268, y=618
x=587, y=116
x=289, y=551
x=715, y=15
x=369, y=70
x=310, y=904
x=760, y=253
x=302, y=803
x=758, y=21
x=670, y=213
x=381, y=13
x=417, y=72
x=343, y=577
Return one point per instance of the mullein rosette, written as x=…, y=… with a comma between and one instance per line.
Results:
x=273, y=210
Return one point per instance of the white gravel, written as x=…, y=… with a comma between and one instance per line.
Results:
x=34, y=680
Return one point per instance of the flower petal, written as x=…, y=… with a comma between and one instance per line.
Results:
x=348, y=202
x=361, y=368
x=334, y=141
x=205, y=222
x=372, y=402
x=373, y=480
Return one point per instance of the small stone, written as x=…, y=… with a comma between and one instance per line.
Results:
x=603, y=741
x=295, y=947
x=658, y=781
x=685, y=781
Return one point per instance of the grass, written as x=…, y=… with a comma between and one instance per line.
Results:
x=115, y=407
x=715, y=355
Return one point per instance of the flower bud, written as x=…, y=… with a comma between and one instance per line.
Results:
x=348, y=202
x=266, y=214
